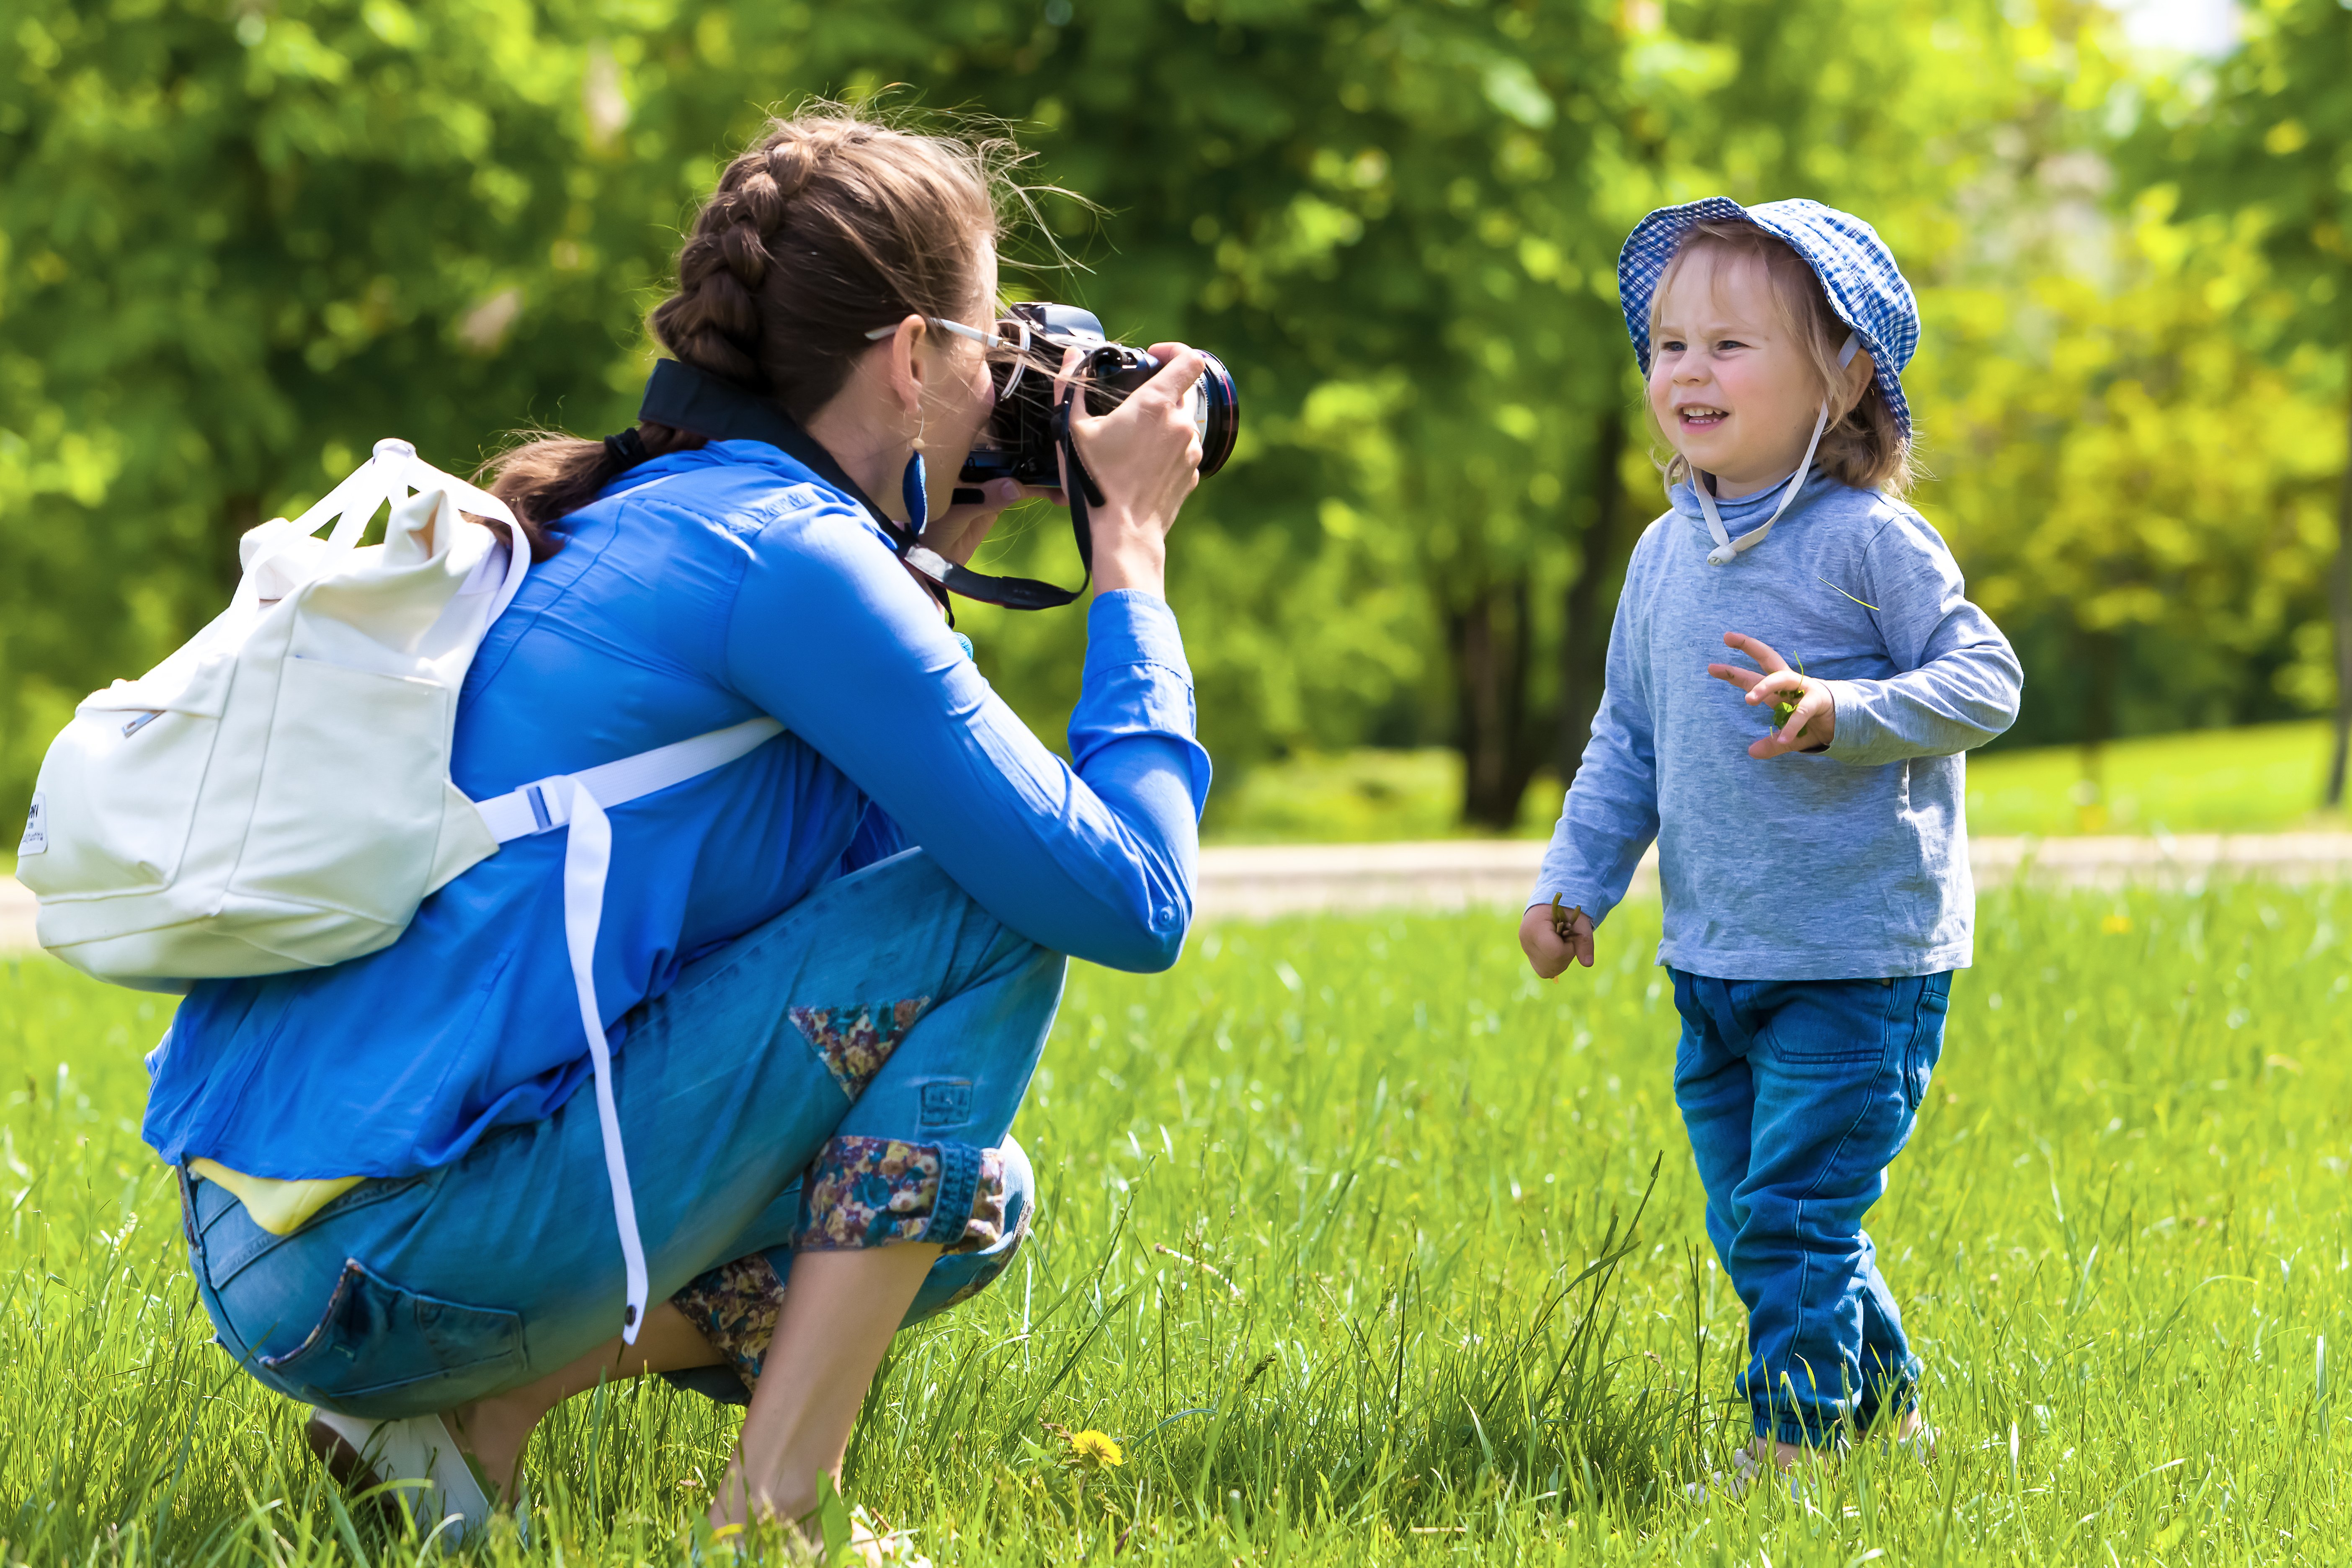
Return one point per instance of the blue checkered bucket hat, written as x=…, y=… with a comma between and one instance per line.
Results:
x=1857, y=272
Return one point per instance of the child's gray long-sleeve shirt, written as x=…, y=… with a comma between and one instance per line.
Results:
x=1848, y=864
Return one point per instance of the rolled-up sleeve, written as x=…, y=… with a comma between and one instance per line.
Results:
x=1098, y=857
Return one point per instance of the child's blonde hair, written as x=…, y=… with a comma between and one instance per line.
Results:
x=1866, y=447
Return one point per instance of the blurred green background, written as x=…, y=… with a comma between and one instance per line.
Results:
x=2259, y=778
x=239, y=241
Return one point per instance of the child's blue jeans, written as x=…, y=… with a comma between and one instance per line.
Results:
x=1797, y=1095
x=843, y=1076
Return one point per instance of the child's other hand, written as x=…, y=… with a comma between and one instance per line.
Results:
x=1548, y=952
x=1814, y=723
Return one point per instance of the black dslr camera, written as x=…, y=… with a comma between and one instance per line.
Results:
x=1020, y=440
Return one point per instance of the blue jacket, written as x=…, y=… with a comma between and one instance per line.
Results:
x=1849, y=865
x=744, y=585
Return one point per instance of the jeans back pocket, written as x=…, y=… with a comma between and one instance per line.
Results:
x=385, y=1346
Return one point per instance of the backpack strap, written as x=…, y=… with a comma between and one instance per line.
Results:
x=578, y=800
x=546, y=806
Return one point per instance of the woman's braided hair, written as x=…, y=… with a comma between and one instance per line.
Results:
x=828, y=225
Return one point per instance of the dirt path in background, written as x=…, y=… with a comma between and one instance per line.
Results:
x=1258, y=881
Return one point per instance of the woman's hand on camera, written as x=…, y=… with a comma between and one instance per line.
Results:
x=1144, y=456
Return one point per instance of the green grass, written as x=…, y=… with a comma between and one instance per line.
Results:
x=2264, y=778
x=1357, y=796
x=2261, y=779
x=1336, y=1241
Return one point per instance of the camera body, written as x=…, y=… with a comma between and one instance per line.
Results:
x=1019, y=441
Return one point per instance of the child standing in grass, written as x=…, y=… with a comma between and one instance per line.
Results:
x=1815, y=868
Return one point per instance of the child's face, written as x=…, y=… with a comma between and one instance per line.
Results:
x=1729, y=384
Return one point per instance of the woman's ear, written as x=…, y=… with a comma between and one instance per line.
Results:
x=905, y=374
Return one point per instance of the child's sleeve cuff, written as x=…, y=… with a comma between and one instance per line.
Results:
x=1859, y=734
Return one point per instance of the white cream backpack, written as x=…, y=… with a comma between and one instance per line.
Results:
x=276, y=795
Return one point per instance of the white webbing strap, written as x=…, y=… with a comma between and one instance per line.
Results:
x=1726, y=547
x=385, y=480
x=587, y=855
x=579, y=800
x=537, y=807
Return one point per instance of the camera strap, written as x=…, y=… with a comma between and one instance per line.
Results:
x=1082, y=494
x=685, y=398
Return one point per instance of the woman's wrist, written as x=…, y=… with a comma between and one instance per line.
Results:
x=1128, y=556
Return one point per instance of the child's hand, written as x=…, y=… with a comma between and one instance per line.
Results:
x=1814, y=723
x=1548, y=952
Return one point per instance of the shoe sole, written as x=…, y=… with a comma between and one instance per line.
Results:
x=463, y=1502
x=348, y=1467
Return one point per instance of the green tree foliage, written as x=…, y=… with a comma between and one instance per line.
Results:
x=2264, y=142
x=2134, y=487
x=238, y=243
x=1387, y=217
x=438, y=220
x=2144, y=495
x=241, y=245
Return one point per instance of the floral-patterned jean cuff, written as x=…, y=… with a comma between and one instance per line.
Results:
x=872, y=1191
x=736, y=1305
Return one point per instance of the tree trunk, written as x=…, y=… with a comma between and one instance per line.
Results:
x=2339, y=604
x=1584, y=643
x=1490, y=640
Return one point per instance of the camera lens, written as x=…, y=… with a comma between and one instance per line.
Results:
x=1018, y=442
x=1217, y=411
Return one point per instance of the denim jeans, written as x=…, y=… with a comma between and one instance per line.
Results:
x=843, y=1076
x=1797, y=1095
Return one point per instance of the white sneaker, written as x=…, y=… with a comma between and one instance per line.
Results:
x=895, y=1547
x=1920, y=1443
x=1746, y=1472
x=416, y=1459
x=1730, y=1487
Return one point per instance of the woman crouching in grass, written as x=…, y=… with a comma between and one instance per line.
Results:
x=395, y=1174
x=1816, y=907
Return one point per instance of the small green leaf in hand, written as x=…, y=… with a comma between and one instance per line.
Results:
x=1563, y=921
x=1784, y=707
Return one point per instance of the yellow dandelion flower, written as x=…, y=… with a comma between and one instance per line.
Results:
x=1095, y=1451
x=2116, y=925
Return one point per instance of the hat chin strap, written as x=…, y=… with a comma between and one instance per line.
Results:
x=1726, y=547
